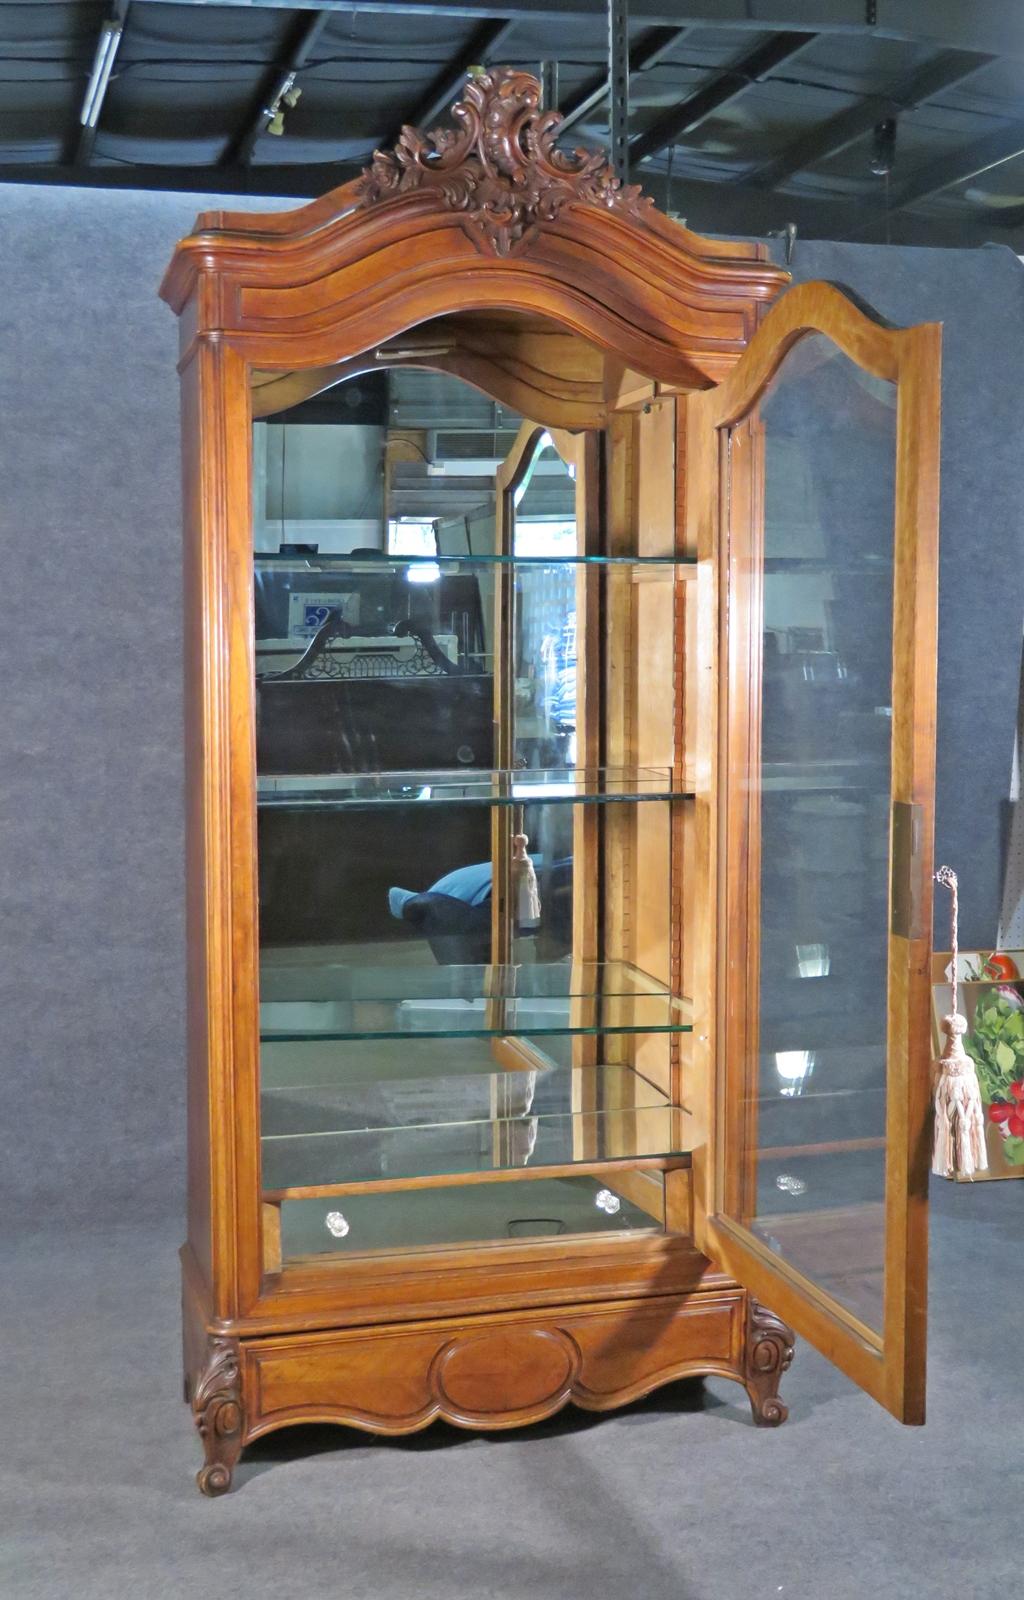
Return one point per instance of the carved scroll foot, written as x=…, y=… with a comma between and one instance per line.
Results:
x=769, y=1354
x=217, y=1409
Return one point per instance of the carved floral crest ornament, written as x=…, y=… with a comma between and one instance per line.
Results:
x=499, y=167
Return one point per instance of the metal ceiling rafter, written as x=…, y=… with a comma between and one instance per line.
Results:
x=828, y=138
x=652, y=48
x=483, y=43
x=725, y=86
x=994, y=25
x=278, y=81
x=959, y=166
x=88, y=129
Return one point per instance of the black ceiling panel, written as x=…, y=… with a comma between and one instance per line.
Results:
x=786, y=131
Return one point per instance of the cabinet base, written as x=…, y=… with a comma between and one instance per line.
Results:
x=490, y=1371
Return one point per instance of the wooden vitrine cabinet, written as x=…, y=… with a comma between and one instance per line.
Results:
x=560, y=690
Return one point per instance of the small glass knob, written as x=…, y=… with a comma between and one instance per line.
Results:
x=606, y=1201
x=789, y=1184
x=336, y=1224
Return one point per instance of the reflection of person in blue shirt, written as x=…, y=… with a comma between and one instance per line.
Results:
x=561, y=700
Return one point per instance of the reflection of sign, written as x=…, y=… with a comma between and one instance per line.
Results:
x=306, y=612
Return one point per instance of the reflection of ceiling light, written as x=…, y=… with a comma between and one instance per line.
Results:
x=425, y=572
x=794, y=1067
x=812, y=961
x=102, y=66
x=883, y=148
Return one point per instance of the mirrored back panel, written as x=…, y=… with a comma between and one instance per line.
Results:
x=470, y=822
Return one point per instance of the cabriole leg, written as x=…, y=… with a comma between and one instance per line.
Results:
x=217, y=1409
x=769, y=1354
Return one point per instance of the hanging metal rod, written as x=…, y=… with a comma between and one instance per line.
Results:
x=652, y=48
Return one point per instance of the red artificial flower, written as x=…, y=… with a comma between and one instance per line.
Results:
x=1010, y=1112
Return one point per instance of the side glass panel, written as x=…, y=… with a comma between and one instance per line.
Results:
x=810, y=1181
x=544, y=624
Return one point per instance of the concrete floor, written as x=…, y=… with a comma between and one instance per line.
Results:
x=676, y=1498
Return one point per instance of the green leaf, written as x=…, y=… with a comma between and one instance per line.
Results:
x=1013, y=1150
x=1006, y=1059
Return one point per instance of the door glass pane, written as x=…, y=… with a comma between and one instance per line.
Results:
x=812, y=1183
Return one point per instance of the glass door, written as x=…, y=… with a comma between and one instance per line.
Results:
x=820, y=467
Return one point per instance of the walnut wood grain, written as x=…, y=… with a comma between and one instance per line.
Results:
x=501, y=1371
x=768, y=1355
x=217, y=1408
x=574, y=300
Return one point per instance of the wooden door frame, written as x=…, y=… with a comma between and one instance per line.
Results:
x=891, y=1367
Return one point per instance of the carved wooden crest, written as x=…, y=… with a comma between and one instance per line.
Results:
x=499, y=167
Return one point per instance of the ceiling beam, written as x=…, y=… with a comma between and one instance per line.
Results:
x=652, y=48
x=302, y=38
x=993, y=26
x=107, y=46
x=828, y=138
x=959, y=166
x=483, y=43
x=723, y=87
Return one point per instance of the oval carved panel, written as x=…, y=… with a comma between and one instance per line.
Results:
x=505, y=1370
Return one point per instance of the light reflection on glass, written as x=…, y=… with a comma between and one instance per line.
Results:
x=794, y=1067
x=812, y=960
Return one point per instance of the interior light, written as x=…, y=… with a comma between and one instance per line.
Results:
x=102, y=66
x=423, y=572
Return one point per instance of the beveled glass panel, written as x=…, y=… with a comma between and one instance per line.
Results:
x=812, y=1170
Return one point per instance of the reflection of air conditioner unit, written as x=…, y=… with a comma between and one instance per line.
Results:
x=468, y=452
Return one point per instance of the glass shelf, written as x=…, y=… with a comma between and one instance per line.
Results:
x=311, y=1086
x=345, y=1002
x=360, y=791
x=326, y=1158
x=329, y=561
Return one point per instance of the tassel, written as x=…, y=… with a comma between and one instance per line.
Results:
x=958, y=1149
x=525, y=880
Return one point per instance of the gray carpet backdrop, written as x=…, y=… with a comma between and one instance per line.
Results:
x=91, y=1042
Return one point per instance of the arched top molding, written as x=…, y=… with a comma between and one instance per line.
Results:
x=871, y=343
x=489, y=215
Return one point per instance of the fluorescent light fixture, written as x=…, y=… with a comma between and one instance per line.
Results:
x=429, y=572
x=103, y=64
